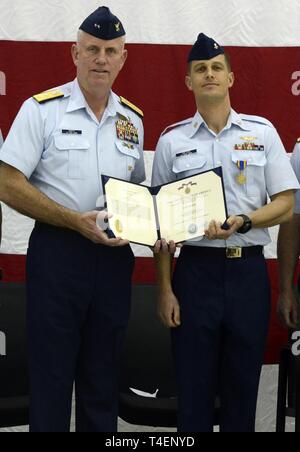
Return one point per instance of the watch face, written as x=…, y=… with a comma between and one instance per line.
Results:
x=247, y=226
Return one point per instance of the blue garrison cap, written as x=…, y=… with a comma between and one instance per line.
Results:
x=205, y=48
x=103, y=25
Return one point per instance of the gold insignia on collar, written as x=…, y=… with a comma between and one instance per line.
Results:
x=298, y=141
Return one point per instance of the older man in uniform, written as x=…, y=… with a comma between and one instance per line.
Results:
x=219, y=303
x=288, y=257
x=79, y=279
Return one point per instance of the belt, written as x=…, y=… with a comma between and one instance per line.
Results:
x=233, y=252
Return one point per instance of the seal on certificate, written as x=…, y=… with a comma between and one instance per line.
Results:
x=192, y=229
x=119, y=226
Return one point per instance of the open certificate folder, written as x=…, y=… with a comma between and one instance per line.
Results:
x=177, y=211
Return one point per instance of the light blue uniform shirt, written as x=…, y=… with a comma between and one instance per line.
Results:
x=1, y=139
x=295, y=161
x=268, y=170
x=63, y=150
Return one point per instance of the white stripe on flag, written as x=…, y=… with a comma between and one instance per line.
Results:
x=257, y=23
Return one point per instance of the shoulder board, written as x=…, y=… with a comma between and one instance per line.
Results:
x=48, y=95
x=257, y=119
x=174, y=126
x=132, y=107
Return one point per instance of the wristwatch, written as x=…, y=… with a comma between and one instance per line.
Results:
x=247, y=226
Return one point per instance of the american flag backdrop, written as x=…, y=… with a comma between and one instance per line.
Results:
x=262, y=37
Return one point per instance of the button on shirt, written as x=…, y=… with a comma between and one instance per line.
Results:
x=62, y=148
x=295, y=161
x=190, y=147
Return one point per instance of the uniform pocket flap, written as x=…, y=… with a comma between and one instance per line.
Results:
x=128, y=149
x=68, y=142
x=188, y=162
x=254, y=158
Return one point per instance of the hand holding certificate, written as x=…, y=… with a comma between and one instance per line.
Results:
x=178, y=211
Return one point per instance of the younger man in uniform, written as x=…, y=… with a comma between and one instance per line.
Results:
x=218, y=304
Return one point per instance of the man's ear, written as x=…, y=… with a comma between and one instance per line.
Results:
x=74, y=53
x=124, y=57
x=231, y=78
x=188, y=82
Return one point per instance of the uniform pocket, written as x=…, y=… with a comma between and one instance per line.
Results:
x=254, y=172
x=188, y=164
x=130, y=155
x=76, y=154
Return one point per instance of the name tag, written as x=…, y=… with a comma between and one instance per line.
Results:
x=71, y=132
x=181, y=154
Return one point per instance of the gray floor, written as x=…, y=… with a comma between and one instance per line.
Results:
x=266, y=410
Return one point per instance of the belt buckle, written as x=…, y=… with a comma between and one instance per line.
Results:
x=234, y=252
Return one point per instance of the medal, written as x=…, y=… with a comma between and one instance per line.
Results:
x=241, y=178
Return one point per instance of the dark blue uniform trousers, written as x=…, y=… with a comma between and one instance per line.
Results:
x=78, y=309
x=219, y=349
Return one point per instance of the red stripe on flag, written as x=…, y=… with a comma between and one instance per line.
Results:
x=154, y=80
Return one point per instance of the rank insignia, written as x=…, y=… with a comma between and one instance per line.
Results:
x=131, y=107
x=48, y=95
x=126, y=131
x=298, y=141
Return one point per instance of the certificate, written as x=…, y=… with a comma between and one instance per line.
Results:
x=177, y=211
